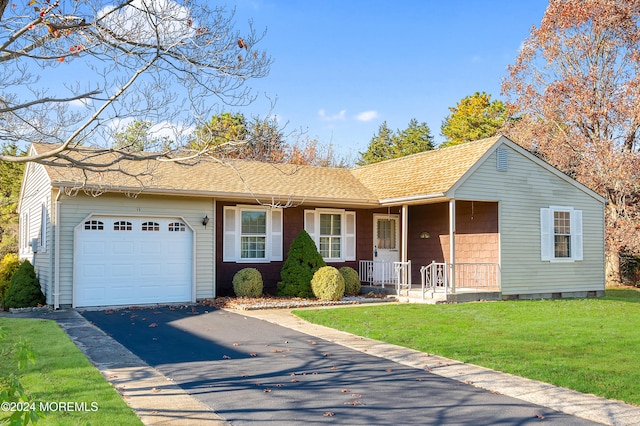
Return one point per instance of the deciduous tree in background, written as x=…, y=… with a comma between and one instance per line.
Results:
x=576, y=87
x=10, y=181
x=72, y=71
x=474, y=117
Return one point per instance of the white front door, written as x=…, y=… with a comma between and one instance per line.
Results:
x=386, y=232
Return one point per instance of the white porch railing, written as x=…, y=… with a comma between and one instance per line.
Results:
x=385, y=273
x=436, y=277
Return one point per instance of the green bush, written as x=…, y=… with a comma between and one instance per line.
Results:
x=328, y=284
x=8, y=266
x=303, y=260
x=24, y=290
x=351, y=281
x=247, y=282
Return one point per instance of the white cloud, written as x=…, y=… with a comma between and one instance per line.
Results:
x=367, y=115
x=336, y=117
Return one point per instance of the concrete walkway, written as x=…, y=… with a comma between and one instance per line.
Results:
x=159, y=401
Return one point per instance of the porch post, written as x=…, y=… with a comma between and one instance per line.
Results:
x=452, y=244
x=405, y=232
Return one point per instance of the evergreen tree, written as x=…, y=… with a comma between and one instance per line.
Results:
x=303, y=260
x=386, y=144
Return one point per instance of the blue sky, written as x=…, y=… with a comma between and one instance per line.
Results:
x=341, y=68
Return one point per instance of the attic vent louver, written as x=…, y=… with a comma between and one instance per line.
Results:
x=501, y=159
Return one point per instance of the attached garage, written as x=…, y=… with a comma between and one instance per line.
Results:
x=132, y=260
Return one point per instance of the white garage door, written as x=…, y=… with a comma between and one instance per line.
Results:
x=129, y=261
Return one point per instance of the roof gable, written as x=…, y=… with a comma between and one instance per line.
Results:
x=430, y=173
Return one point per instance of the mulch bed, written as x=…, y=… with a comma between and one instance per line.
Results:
x=269, y=302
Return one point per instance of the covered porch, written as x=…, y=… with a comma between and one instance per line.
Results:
x=436, y=251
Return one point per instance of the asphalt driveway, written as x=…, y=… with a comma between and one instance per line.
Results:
x=252, y=371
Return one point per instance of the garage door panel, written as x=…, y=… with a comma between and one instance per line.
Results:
x=127, y=267
x=122, y=248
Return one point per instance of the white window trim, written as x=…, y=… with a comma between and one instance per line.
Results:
x=547, y=244
x=42, y=240
x=24, y=232
x=232, y=234
x=347, y=238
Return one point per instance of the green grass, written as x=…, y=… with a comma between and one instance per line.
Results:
x=589, y=345
x=62, y=374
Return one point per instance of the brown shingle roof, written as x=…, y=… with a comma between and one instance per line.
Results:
x=427, y=173
x=431, y=172
x=232, y=178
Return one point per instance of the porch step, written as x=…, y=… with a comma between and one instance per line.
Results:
x=415, y=296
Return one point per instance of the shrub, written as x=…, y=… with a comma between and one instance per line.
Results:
x=328, y=284
x=8, y=266
x=351, y=281
x=24, y=290
x=247, y=282
x=303, y=260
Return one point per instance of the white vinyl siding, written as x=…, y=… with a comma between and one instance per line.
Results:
x=334, y=232
x=75, y=209
x=251, y=234
x=521, y=191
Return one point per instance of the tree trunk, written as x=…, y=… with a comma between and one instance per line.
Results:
x=612, y=268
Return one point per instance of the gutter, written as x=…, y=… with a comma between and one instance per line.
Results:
x=414, y=199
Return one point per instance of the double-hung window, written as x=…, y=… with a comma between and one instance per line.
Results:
x=252, y=234
x=330, y=235
x=561, y=233
x=334, y=232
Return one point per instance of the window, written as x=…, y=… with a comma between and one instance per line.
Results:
x=150, y=226
x=93, y=225
x=386, y=237
x=122, y=225
x=330, y=236
x=561, y=233
x=334, y=232
x=177, y=227
x=252, y=234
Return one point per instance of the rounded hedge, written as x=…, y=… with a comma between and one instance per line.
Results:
x=327, y=284
x=351, y=281
x=247, y=282
x=24, y=289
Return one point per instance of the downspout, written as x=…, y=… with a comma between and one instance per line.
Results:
x=56, y=261
x=214, y=261
x=452, y=244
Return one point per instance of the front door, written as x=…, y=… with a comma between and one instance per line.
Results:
x=386, y=231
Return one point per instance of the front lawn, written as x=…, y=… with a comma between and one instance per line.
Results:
x=590, y=345
x=62, y=378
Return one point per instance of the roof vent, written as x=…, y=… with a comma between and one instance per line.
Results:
x=501, y=159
